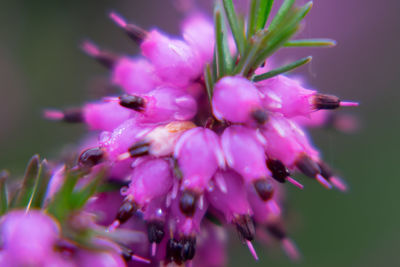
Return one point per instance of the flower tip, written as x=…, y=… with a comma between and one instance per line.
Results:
x=53, y=114
x=140, y=259
x=252, y=250
x=323, y=181
x=349, y=104
x=339, y=183
x=274, y=208
x=90, y=48
x=291, y=249
x=118, y=19
x=294, y=182
x=113, y=226
x=153, y=249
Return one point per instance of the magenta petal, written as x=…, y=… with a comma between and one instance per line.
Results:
x=244, y=152
x=203, y=145
x=234, y=99
x=174, y=60
x=135, y=76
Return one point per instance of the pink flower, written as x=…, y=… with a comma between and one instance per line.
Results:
x=119, y=141
x=150, y=179
x=198, y=32
x=135, y=76
x=287, y=96
x=174, y=60
x=202, y=144
x=229, y=195
x=105, y=116
x=28, y=238
x=236, y=99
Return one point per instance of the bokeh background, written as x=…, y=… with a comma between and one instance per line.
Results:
x=41, y=66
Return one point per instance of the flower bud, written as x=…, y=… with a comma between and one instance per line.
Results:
x=235, y=99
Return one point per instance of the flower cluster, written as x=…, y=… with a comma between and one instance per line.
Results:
x=203, y=135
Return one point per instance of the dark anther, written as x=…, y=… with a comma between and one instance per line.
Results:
x=127, y=254
x=326, y=171
x=277, y=231
x=139, y=149
x=155, y=231
x=127, y=209
x=307, y=166
x=66, y=248
x=245, y=227
x=73, y=115
x=323, y=101
x=187, y=203
x=264, y=189
x=260, y=116
x=132, y=102
x=107, y=59
x=174, y=251
x=188, y=248
x=278, y=169
x=136, y=33
x=91, y=157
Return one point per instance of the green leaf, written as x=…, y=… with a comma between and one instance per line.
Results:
x=317, y=42
x=30, y=177
x=302, y=12
x=82, y=196
x=3, y=192
x=219, y=44
x=41, y=186
x=281, y=14
x=214, y=67
x=263, y=13
x=233, y=20
x=246, y=64
x=252, y=18
x=282, y=69
x=60, y=205
x=274, y=44
x=208, y=81
x=281, y=33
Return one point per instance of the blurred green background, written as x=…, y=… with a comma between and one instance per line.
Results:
x=42, y=66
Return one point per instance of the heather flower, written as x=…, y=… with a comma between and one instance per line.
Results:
x=97, y=116
x=236, y=99
x=203, y=133
x=108, y=255
x=122, y=138
x=28, y=238
x=203, y=144
x=150, y=179
x=135, y=76
x=211, y=245
x=287, y=96
x=33, y=239
x=198, y=32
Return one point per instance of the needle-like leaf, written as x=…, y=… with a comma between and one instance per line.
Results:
x=282, y=69
x=317, y=42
